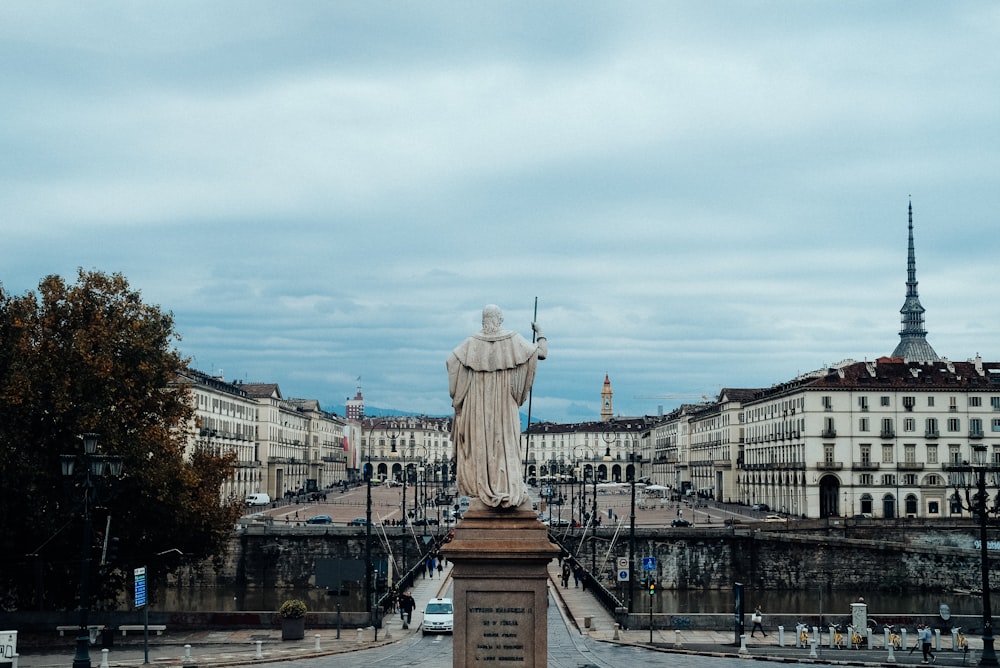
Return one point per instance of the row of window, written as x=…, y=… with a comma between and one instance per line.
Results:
x=954, y=426
x=910, y=402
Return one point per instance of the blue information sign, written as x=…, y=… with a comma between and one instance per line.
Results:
x=140, y=587
x=649, y=563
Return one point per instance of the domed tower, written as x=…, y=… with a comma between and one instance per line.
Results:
x=607, y=408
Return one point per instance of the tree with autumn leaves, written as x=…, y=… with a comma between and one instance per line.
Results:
x=92, y=357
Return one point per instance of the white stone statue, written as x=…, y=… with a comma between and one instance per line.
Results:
x=489, y=377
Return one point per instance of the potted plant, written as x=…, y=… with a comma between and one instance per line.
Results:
x=293, y=619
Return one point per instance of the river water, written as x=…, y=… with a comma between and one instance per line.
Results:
x=814, y=602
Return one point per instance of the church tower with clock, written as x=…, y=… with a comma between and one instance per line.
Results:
x=607, y=407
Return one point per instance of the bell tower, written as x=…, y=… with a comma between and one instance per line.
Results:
x=607, y=406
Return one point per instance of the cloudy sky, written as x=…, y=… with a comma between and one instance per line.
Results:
x=699, y=194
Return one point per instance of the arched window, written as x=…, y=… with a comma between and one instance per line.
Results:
x=888, y=506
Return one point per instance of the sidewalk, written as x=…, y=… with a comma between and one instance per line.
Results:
x=241, y=646
x=579, y=606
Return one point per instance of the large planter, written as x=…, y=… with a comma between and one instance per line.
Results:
x=293, y=629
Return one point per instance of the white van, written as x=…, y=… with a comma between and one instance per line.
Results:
x=439, y=616
x=260, y=499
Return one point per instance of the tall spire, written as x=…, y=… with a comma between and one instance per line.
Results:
x=913, y=344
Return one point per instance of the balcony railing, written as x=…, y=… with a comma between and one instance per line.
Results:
x=931, y=433
x=888, y=433
x=829, y=433
x=910, y=466
x=829, y=466
x=865, y=466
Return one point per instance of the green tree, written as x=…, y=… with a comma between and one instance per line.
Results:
x=92, y=357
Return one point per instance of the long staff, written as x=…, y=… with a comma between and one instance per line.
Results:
x=534, y=319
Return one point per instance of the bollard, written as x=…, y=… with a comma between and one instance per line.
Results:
x=937, y=640
x=781, y=636
x=677, y=639
x=812, y=645
x=833, y=642
x=902, y=637
x=388, y=632
x=259, y=654
x=885, y=632
x=317, y=643
x=868, y=636
x=892, y=653
x=954, y=639
x=617, y=635
x=104, y=659
x=361, y=637
x=743, y=644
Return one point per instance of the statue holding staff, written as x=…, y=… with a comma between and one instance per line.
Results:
x=489, y=377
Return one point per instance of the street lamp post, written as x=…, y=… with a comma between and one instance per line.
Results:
x=369, y=564
x=98, y=466
x=966, y=476
x=631, y=534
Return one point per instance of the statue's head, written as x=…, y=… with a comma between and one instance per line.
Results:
x=492, y=319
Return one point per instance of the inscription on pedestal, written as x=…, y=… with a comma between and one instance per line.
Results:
x=501, y=629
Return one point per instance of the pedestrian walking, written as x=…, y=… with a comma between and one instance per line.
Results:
x=924, y=634
x=406, y=606
x=757, y=618
x=565, y=575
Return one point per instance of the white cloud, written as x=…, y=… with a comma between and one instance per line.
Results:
x=699, y=196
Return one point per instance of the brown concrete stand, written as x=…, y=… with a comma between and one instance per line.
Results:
x=500, y=583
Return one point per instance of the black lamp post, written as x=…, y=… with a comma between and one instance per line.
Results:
x=369, y=564
x=631, y=532
x=966, y=476
x=92, y=466
x=578, y=452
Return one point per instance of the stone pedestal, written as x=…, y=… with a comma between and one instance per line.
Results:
x=500, y=577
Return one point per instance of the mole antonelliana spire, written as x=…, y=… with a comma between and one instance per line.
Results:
x=913, y=344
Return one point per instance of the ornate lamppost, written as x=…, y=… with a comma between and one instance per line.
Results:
x=964, y=477
x=93, y=468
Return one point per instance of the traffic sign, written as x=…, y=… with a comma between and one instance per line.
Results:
x=623, y=575
x=140, y=586
x=622, y=562
x=649, y=563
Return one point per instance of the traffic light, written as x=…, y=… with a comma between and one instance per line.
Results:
x=652, y=587
x=112, y=553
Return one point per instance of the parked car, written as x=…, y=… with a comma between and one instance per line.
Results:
x=775, y=518
x=763, y=507
x=680, y=522
x=439, y=616
x=320, y=519
x=358, y=522
x=430, y=521
x=258, y=499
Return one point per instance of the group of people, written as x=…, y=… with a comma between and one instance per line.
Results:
x=572, y=569
x=434, y=562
